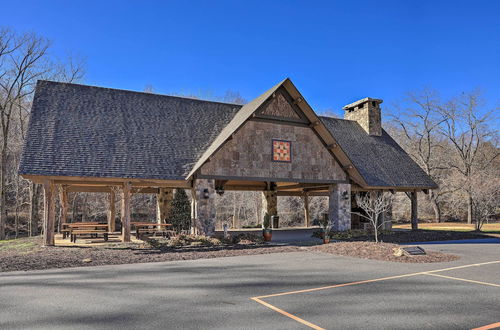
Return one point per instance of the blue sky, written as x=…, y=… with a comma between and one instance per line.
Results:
x=334, y=51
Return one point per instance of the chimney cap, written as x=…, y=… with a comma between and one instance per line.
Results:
x=366, y=99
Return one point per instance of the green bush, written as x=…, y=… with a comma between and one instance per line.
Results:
x=180, y=216
x=267, y=221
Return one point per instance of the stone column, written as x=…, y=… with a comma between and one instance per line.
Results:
x=269, y=203
x=203, y=207
x=339, y=206
x=164, y=204
x=387, y=218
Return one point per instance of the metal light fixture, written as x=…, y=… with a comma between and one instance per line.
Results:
x=345, y=195
x=219, y=190
x=206, y=194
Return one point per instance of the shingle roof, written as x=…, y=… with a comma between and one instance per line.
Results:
x=78, y=130
x=379, y=159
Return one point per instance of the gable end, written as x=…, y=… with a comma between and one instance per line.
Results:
x=280, y=106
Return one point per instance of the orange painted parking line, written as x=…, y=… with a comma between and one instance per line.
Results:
x=489, y=326
x=337, y=285
x=430, y=272
x=464, y=266
x=375, y=280
x=296, y=318
x=464, y=279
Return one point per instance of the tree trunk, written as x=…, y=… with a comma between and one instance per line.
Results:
x=436, y=208
x=17, y=207
x=3, y=207
x=469, y=208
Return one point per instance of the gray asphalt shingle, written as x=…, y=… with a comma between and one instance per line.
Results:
x=78, y=130
x=379, y=159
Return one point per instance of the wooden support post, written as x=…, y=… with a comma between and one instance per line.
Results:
x=307, y=215
x=49, y=212
x=164, y=204
x=63, y=200
x=194, y=203
x=414, y=210
x=126, y=212
x=112, y=211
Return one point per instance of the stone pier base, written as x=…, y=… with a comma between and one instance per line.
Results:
x=203, y=208
x=269, y=203
x=339, y=207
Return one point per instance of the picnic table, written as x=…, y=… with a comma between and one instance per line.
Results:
x=85, y=228
x=151, y=228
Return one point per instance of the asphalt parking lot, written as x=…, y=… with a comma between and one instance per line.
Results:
x=278, y=291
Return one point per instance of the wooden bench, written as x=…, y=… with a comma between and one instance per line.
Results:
x=152, y=228
x=86, y=228
x=67, y=227
x=154, y=231
x=91, y=232
x=65, y=232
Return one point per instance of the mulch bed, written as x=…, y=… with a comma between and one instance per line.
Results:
x=380, y=251
x=63, y=257
x=408, y=236
x=30, y=256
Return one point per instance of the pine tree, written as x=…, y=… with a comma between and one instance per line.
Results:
x=181, y=211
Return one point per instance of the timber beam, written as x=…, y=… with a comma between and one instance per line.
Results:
x=95, y=181
x=301, y=194
x=108, y=189
x=301, y=186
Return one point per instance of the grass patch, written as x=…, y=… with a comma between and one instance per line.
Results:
x=26, y=245
x=493, y=228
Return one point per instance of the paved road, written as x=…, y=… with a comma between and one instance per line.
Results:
x=216, y=293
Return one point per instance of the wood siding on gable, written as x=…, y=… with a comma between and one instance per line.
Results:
x=279, y=107
x=249, y=154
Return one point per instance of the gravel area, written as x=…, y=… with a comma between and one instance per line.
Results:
x=380, y=251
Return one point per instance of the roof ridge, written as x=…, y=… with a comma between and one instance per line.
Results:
x=335, y=118
x=137, y=92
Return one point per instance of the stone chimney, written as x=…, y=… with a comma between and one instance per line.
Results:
x=367, y=113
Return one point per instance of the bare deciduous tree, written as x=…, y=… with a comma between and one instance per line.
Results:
x=466, y=128
x=374, y=204
x=24, y=59
x=420, y=124
x=486, y=196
